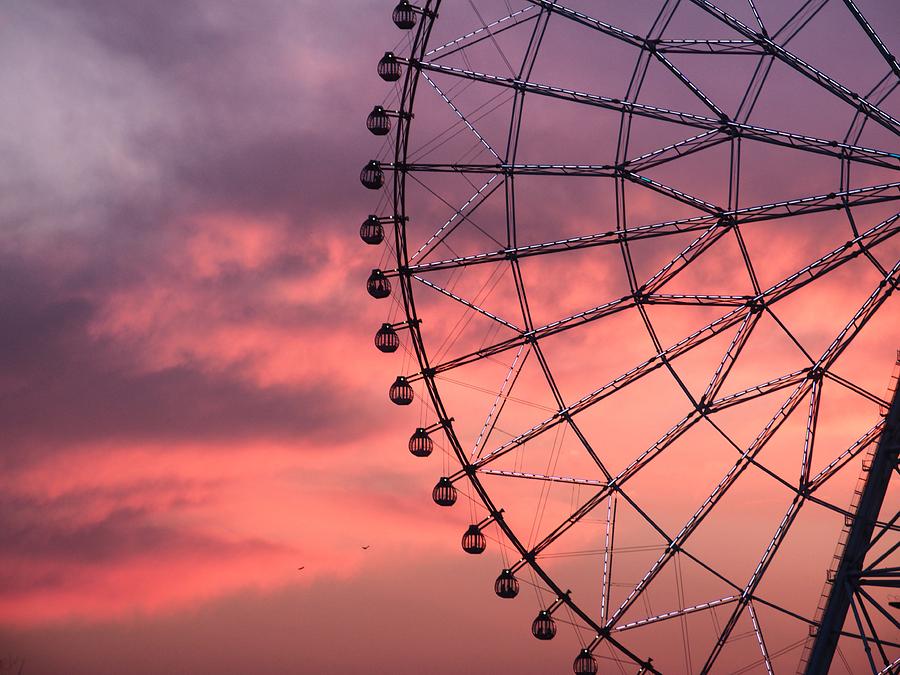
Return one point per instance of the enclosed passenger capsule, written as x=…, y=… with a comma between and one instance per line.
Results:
x=372, y=231
x=401, y=391
x=386, y=339
x=543, y=627
x=378, y=285
x=420, y=443
x=389, y=67
x=506, y=586
x=473, y=541
x=378, y=121
x=585, y=663
x=404, y=15
x=371, y=175
x=444, y=494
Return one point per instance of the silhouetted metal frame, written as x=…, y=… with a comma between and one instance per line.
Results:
x=745, y=310
x=851, y=572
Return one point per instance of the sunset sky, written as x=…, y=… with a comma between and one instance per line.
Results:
x=191, y=404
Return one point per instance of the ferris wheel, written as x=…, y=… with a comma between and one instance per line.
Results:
x=639, y=261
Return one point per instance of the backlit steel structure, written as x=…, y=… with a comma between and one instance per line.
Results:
x=850, y=613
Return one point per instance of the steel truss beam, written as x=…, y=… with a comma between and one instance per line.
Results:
x=803, y=142
x=873, y=194
x=850, y=572
x=867, y=108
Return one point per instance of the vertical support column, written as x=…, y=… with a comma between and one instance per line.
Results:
x=846, y=578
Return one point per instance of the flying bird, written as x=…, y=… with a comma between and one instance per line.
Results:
x=366, y=547
x=301, y=568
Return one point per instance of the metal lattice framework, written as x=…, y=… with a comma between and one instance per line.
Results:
x=432, y=265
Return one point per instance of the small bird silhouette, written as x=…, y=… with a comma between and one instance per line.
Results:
x=301, y=568
x=366, y=547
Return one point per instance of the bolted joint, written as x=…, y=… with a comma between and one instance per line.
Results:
x=726, y=221
x=728, y=129
x=490, y=518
